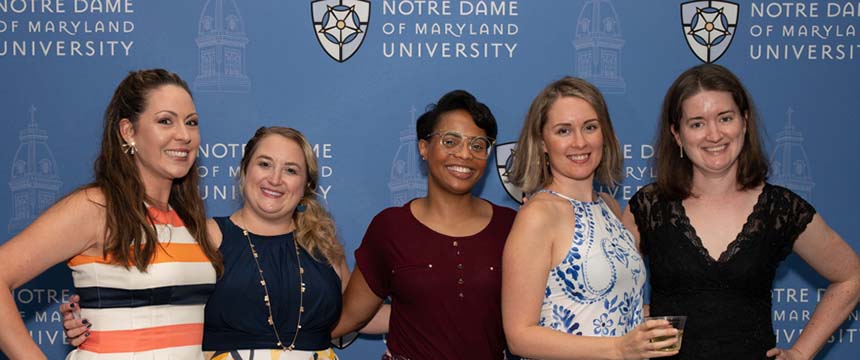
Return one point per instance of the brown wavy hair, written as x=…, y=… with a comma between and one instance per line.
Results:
x=675, y=174
x=531, y=171
x=128, y=224
x=315, y=229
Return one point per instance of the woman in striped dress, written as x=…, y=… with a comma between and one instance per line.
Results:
x=145, y=297
x=284, y=269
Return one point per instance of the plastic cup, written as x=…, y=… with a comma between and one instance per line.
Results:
x=676, y=322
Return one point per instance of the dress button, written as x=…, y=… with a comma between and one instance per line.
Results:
x=455, y=243
x=460, y=281
x=459, y=266
x=461, y=295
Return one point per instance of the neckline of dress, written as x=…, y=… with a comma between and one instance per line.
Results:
x=158, y=209
x=414, y=218
x=741, y=236
x=597, y=197
x=287, y=234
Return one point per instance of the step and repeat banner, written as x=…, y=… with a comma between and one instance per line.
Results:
x=353, y=75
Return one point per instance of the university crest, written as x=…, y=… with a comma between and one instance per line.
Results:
x=709, y=27
x=340, y=26
x=504, y=158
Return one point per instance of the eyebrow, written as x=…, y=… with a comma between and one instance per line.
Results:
x=267, y=157
x=177, y=115
x=702, y=117
x=570, y=123
x=461, y=134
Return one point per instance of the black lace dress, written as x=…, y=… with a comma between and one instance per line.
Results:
x=727, y=301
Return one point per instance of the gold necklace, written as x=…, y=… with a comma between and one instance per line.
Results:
x=271, y=320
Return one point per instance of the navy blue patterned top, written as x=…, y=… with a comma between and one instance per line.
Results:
x=236, y=314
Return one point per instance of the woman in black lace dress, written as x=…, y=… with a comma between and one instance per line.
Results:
x=714, y=231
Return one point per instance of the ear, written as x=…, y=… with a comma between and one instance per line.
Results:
x=126, y=130
x=422, y=148
x=676, y=135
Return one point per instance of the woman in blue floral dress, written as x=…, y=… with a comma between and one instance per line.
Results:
x=572, y=279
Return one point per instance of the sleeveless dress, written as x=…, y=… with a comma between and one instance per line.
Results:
x=153, y=315
x=727, y=300
x=235, y=317
x=597, y=288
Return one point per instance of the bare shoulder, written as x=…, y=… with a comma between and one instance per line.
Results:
x=86, y=203
x=73, y=225
x=215, y=235
x=94, y=194
x=540, y=213
x=541, y=205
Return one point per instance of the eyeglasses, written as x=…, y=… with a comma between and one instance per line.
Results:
x=452, y=141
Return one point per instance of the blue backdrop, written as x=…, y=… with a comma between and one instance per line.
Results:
x=273, y=62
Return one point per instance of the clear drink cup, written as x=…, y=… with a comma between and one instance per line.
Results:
x=676, y=322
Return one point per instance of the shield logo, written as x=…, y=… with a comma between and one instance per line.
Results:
x=340, y=26
x=504, y=159
x=709, y=27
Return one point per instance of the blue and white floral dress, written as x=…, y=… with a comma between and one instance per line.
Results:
x=597, y=289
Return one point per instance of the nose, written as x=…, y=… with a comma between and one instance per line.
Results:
x=463, y=151
x=275, y=177
x=578, y=140
x=713, y=132
x=183, y=133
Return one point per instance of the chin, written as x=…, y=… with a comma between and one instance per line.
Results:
x=460, y=189
x=179, y=175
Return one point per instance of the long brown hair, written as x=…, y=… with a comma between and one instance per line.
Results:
x=530, y=168
x=675, y=174
x=128, y=224
x=315, y=229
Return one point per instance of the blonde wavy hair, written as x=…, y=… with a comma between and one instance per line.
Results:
x=531, y=170
x=315, y=229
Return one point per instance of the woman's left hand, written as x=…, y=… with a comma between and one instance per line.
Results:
x=785, y=354
x=77, y=329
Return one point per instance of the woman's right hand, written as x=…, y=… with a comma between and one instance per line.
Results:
x=77, y=329
x=637, y=344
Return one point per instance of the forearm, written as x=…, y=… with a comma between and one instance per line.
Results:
x=352, y=319
x=838, y=301
x=379, y=323
x=15, y=340
x=544, y=343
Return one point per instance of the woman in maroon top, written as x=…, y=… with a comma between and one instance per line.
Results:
x=438, y=257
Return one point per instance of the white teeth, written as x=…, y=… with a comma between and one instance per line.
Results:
x=175, y=153
x=716, y=148
x=578, y=157
x=460, y=169
x=273, y=193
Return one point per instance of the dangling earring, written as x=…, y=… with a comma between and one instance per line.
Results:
x=129, y=148
x=301, y=207
x=682, y=151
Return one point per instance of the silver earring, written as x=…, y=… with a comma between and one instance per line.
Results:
x=682, y=151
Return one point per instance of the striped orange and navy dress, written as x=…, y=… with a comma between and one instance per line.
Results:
x=153, y=315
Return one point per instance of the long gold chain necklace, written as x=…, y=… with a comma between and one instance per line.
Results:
x=271, y=320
